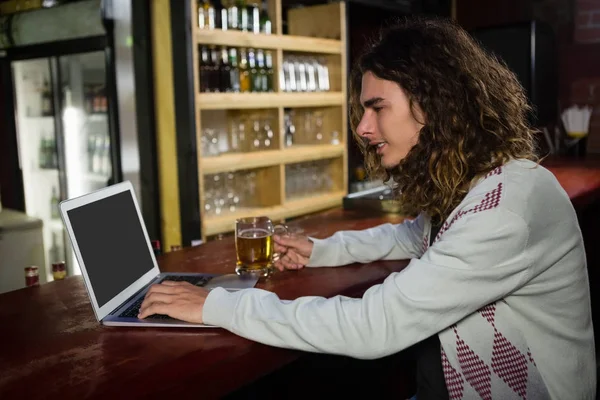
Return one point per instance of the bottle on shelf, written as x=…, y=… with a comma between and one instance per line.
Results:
x=222, y=15
x=42, y=161
x=225, y=72
x=254, y=17
x=262, y=72
x=233, y=15
x=206, y=15
x=254, y=77
x=270, y=72
x=48, y=157
x=234, y=78
x=265, y=20
x=47, y=109
x=243, y=21
x=215, y=81
x=244, y=71
x=54, y=200
x=205, y=70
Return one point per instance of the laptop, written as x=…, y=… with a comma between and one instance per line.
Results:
x=117, y=262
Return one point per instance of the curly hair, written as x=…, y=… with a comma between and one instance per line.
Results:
x=476, y=112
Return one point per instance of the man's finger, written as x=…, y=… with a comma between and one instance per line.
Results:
x=162, y=288
x=158, y=298
x=154, y=308
x=175, y=283
x=288, y=264
x=288, y=241
x=280, y=249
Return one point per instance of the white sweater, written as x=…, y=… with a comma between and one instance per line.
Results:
x=504, y=285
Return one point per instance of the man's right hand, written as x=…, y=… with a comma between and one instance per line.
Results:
x=294, y=250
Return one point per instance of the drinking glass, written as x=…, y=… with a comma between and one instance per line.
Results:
x=254, y=245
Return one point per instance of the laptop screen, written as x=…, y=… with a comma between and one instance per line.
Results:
x=112, y=244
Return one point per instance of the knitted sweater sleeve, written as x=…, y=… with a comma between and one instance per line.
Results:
x=383, y=242
x=478, y=260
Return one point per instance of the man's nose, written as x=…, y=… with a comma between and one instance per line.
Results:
x=364, y=128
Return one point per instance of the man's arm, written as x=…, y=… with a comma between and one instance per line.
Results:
x=383, y=242
x=479, y=260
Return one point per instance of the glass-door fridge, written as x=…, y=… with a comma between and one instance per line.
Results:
x=76, y=105
x=63, y=137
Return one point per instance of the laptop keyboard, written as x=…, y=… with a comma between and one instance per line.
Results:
x=133, y=310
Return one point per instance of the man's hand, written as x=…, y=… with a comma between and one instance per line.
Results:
x=295, y=251
x=180, y=300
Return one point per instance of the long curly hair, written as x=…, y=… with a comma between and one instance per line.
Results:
x=476, y=112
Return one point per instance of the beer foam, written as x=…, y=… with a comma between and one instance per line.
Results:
x=254, y=233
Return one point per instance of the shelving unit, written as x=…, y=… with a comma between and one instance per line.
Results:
x=325, y=41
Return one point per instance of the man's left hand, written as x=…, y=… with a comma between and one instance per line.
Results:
x=180, y=300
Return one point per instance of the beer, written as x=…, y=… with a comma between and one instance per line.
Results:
x=254, y=245
x=254, y=248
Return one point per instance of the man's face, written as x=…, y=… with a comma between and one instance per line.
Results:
x=387, y=122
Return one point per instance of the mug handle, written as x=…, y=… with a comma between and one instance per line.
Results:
x=279, y=230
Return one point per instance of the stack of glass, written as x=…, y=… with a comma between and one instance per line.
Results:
x=228, y=192
x=245, y=133
x=305, y=127
x=307, y=179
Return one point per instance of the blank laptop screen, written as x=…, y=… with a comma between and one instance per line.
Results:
x=112, y=244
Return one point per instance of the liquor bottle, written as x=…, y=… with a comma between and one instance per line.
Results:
x=244, y=72
x=206, y=15
x=54, y=204
x=233, y=15
x=225, y=71
x=222, y=14
x=254, y=77
x=215, y=81
x=42, y=153
x=205, y=69
x=270, y=71
x=265, y=20
x=242, y=15
x=46, y=100
x=262, y=72
x=234, y=78
x=254, y=17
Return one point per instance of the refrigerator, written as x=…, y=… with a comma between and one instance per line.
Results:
x=72, y=111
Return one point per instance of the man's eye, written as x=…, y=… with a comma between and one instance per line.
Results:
x=377, y=109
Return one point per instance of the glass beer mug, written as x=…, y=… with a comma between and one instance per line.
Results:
x=254, y=245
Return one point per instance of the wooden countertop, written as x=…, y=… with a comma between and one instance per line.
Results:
x=52, y=345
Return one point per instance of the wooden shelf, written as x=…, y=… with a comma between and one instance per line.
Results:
x=295, y=154
x=294, y=208
x=262, y=41
x=228, y=101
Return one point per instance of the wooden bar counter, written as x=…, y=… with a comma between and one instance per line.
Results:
x=53, y=347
